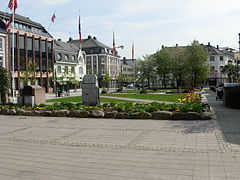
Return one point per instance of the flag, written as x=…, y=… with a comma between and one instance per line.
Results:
x=53, y=18
x=114, y=47
x=79, y=30
x=13, y=5
x=9, y=23
x=133, y=52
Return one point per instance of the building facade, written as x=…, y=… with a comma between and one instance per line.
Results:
x=31, y=43
x=2, y=48
x=217, y=59
x=70, y=63
x=100, y=60
x=128, y=70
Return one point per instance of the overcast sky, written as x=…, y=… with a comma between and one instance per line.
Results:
x=149, y=23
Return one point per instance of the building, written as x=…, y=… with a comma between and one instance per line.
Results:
x=128, y=70
x=100, y=60
x=70, y=63
x=217, y=59
x=3, y=47
x=32, y=43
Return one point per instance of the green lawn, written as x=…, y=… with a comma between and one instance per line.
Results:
x=156, y=97
x=78, y=99
x=161, y=90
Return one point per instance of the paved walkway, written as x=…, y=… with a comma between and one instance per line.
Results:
x=70, y=148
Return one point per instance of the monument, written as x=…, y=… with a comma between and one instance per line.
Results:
x=90, y=90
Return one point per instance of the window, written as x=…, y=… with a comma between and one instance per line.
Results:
x=1, y=61
x=66, y=57
x=59, y=70
x=1, y=44
x=80, y=70
x=59, y=56
x=221, y=58
x=212, y=69
x=212, y=58
x=72, y=69
x=73, y=58
x=221, y=68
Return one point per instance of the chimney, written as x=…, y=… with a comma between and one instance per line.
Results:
x=94, y=38
x=162, y=46
x=70, y=39
x=209, y=44
x=89, y=37
x=59, y=40
x=217, y=46
x=176, y=45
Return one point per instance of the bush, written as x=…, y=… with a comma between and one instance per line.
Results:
x=104, y=91
x=143, y=91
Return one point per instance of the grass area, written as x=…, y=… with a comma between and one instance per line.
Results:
x=78, y=99
x=149, y=90
x=156, y=97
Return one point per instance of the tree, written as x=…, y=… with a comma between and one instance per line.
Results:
x=107, y=78
x=163, y=61
x=179, y=65
x=73, y=80
x=29, y=74
x=232, y=71
x=121, y=80
x=197, y=68
x=146, y=69
x=4, y=85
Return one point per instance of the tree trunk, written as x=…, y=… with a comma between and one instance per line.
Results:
x=148, y=82
x=164, y=81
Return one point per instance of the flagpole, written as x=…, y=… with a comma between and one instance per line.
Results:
x=51, y=21
x=80, y=30
x=13, y=46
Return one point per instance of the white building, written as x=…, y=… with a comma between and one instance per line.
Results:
x=3, y=53
x=100, y=59
x=70, y=63
x=217, y=59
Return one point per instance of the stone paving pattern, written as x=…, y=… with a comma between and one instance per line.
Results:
x=71, y=148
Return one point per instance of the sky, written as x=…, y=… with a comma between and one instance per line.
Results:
x=148, y=23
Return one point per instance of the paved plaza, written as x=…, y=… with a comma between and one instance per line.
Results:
x=102, y=149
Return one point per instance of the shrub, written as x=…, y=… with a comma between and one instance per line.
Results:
x=143, y=91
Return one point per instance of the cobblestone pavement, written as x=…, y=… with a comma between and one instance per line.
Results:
x=70, y=148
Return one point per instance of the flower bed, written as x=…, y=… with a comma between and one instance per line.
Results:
x=191, y=98
x=184, y=111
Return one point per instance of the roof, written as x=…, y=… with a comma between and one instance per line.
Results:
x=63, y=46
x=213, y=50
x=89, y=43
x=25, y=24
x=127, y=62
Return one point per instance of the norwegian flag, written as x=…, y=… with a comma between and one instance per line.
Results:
x=133, y=52
x=79, y=29
x=114, y=47
x=53, y=18
x=13, y=5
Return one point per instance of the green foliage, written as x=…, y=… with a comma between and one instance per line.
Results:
x=146, y=70
x=232, y=71
x=30, y=73
x=197, y=68
x=127, y=107
x=106, y=80
x=163, y=61
x=4, y=84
